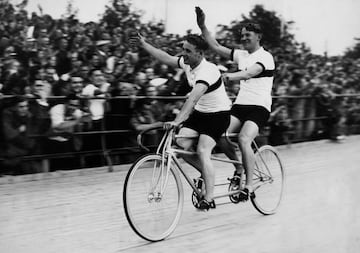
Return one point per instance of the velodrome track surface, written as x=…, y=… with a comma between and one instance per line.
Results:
x=82, y=211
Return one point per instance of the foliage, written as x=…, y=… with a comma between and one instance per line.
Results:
x=120, y=13
x=71, y=11
x=276, y=31
x=354, y=52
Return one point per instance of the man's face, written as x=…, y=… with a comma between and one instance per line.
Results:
x=52, y=61
x=84, y=71
x=127, y=89
x=38, y=86
x=15, y=65
x=50, y=72
x=151, y=91
x=41, y=87
x=97, y=77
x=249, y=39
x=22, y=108
x=141, y=78
x=73, y=105
x=63, y=43
x=76, y=84
x=149, y=73
x=95, y=60
x=191, y=56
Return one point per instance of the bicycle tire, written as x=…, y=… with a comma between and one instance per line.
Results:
x=150, y=218
x=269, y=179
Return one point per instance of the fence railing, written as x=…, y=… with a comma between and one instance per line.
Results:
x=303, y=116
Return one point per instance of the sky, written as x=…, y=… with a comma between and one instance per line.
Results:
x=324, y=25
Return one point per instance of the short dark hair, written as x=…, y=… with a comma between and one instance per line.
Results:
x=198, y=41
x=251, y=26
x=91, y=71
x=18, y=99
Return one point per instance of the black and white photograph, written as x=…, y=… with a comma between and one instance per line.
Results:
x=179, y=126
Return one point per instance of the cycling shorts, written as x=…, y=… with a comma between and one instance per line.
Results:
x=255, y=113
x=212, y=124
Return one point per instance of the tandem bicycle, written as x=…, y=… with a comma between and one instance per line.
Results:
x=153, y=195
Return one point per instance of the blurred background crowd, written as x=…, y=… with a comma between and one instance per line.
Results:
x=60, y=76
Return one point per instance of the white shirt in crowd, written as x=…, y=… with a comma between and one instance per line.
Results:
x=96, y=106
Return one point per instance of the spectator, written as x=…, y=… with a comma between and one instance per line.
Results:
x=66, y=119
x=97, y=107
x=98, y=88
x=84, y=73
x=280, y=125
x=298, y=106
x=141, y=81
x=145, y=118
x=120, y=115
x=39, y=108
x=14, y=82
x=76, y=88
x=328, y=106
x=63, y=62
x=18, y=124
x=353, y=116
x=76, y=85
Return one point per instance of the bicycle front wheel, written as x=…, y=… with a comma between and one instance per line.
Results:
x=153, y=198
x=268, y=180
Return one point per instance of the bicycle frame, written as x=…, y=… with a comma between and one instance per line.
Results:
x=161, y=186
x=168, y=154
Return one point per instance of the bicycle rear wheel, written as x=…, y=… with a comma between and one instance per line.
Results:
x=268, y=180
x=153, y=199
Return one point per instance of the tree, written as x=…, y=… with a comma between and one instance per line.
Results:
x=71, y=11
x=276, y=31
x=354, y=52
x=120, y=13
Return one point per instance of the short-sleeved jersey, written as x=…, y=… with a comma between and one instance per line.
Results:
x=215, y=98
x=256, y=90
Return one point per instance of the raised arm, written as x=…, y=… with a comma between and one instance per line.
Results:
x=155, y=52
x=250, y=72
x=213, y=44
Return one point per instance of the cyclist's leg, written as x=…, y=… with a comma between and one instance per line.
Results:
x=204, y=149
x=188, y=145
x=246, y=136
x=227, y=148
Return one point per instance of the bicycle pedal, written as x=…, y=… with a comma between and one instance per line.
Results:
x=234, y=198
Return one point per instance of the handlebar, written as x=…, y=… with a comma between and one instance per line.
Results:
x=140, y=136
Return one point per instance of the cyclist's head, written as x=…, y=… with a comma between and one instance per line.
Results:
x=198, y=41
x=193, y=49
x=251, y=35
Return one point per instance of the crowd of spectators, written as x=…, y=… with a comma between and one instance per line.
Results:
x=52, y=69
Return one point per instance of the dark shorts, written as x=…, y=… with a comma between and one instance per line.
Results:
x=212, y=124
x=257, y=114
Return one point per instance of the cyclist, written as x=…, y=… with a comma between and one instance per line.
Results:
x=252, y=106
x=206, y=111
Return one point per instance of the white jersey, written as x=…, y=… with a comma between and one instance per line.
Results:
x=256, y=90
x=215, y=98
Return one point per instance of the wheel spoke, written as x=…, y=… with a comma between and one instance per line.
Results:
x=268, y=180
x=153, y=214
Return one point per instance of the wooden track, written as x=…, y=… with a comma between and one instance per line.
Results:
x=82, y=211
